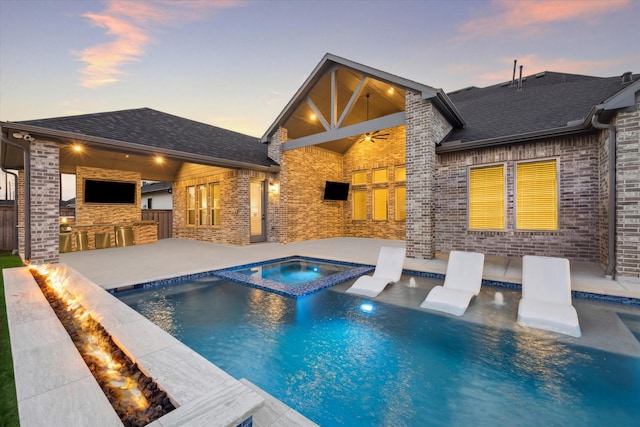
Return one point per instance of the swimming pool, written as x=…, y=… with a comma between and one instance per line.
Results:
x=294, y=276
x=341, y=363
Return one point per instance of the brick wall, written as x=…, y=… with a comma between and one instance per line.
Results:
x=425, y=127
x=578, y=235
x=234, y=225
x=308, y=216
x=628, y=193
x=98, y=213
x=45, y=201
x=366, y=156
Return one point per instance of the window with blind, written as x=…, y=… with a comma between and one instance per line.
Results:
x=214, y=190
x=202, y=205
x=359, y=205
x=191, y=205
x=486, y=198
x=359, y=178
x=401, y=202
x=380, y=204
x=537, y=196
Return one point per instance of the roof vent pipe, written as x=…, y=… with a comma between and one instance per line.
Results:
x=520, y=79
x=627, y=77
x=513, y=78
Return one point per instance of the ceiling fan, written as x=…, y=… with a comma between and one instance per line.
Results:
x=377, y=135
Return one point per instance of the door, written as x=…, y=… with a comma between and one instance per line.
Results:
x=257, y=199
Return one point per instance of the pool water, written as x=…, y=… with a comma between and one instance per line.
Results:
x=343, y=360
x=294, y=272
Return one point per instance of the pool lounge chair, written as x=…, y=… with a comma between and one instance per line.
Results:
x=388, y=270
x=461, y=283
x=546, y=296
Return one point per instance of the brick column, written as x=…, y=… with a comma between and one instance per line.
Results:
x=425, y=127
x=628, y=194
x=45, y=202
x=421, y=156
x=20, y=221
x=277, y=213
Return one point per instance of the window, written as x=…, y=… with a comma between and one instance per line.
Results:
x=214, y=190
x=401, y=173
x=191, y=205
x=380, y=204
x=202, y=205
x=380, y=175
x=149, y=203
x=401, y=202
x=359, y=205
x=486, y=198
x=359, y=178
x=537, y=196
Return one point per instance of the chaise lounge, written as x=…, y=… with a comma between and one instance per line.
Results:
x=461, y=283
x=388, y=270
x=546, y=296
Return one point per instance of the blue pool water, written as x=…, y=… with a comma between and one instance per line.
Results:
x=342, y=360
x=294, y=272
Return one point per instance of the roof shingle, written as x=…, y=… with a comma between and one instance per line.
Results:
x=153, y=128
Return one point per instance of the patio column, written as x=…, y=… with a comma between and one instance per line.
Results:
x=277, y=215
x=628, y=194
x=425, y=127
x=44, y=181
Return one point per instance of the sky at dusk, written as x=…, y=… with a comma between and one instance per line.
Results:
x=235, y=64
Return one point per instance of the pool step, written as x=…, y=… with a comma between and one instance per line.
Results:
x=276, y=413
x=632, y=322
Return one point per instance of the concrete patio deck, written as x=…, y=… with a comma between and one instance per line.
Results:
x=120, y=267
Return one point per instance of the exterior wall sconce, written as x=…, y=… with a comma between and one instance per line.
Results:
x=274, y=187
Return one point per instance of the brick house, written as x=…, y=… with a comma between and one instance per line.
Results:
x=544, y=165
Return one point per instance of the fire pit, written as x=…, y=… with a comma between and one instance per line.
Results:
x=136, y=398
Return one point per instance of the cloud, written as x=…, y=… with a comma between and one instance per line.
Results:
x=131, y=24
x=531, y=16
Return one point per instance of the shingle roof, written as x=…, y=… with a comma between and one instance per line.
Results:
x=155, y=186
x=548, y=100
x=165, y=131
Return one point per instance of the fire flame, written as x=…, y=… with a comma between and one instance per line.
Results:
x=94, y=344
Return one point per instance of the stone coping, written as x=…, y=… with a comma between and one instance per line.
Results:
x=55, y=387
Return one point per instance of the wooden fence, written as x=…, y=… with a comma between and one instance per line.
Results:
x=7, y=226
x=164, y=218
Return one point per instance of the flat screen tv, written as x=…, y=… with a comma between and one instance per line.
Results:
x=116, y=192
x=336, y=190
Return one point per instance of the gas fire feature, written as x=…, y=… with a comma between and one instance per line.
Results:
x=135, y=397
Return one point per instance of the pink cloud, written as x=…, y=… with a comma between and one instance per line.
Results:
x=532, y=15
x=130, y=23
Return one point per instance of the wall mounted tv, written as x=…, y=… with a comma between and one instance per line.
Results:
x=336, y=190
x=116, y=192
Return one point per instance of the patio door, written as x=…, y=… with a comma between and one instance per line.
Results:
x=257, y=198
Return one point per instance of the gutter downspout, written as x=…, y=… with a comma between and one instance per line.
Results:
x=609, y=272
x=27, y=196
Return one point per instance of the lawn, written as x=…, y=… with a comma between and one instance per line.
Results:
x=8, y=402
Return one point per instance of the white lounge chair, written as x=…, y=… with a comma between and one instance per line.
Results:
x=388, y=270
x=546, y=296
x=461, y=283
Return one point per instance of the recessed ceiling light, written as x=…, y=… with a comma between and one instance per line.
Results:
x=159, y=159
x=77, y=148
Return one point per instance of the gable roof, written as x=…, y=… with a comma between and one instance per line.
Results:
x=549, y=103
x=143, y=129
x=437, y=96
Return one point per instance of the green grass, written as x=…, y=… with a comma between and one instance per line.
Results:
x=8, y=401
